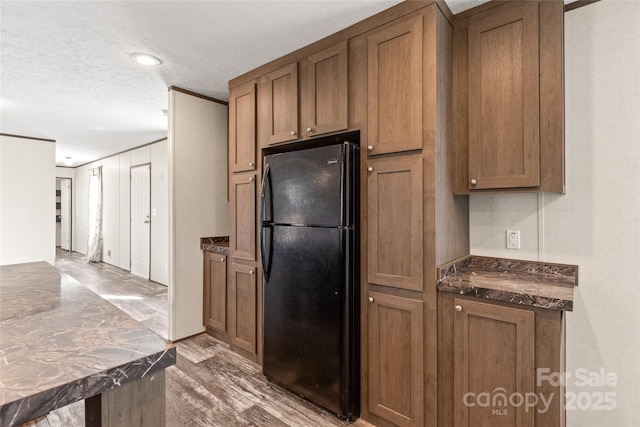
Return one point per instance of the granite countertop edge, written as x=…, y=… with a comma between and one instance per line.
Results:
x=218, y=244
x=528, y=283
x=15, y=412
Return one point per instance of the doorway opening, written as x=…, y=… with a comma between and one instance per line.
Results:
x=63, y=214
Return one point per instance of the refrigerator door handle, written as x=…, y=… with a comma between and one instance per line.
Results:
x=265, y=223
x=266, y=239
x=266, y=210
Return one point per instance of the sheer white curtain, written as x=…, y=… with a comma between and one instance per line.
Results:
x=94, y=243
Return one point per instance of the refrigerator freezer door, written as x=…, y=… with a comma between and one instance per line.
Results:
x=307, y=186
x=306, y=316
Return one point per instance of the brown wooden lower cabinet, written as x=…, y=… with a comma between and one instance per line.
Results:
x=215, y=293
x=495, y=362
x=395, y=359
x=243, y=315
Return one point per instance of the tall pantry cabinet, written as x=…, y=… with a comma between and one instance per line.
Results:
x=388, y=77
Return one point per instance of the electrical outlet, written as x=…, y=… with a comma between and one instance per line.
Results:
x=513, y=239
x=108, y=252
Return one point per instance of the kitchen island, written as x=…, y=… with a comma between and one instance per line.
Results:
x=61, y=343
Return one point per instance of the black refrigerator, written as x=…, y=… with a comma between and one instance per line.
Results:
x=310, y=261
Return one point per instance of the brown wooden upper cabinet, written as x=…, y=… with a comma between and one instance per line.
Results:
x=279, y=105
x=394, y=206
x=326, y=97
x=504, y=148
x=394, y=94
x=242, y=127
x=508, y=86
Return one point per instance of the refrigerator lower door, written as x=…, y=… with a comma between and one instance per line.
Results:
x=308, y=347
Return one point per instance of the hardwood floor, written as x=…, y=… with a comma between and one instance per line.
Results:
x=209, y=385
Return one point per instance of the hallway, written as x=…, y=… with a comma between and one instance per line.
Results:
x=209, y=385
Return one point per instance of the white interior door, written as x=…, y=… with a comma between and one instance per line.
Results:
x=65, y=214
x=140, y=220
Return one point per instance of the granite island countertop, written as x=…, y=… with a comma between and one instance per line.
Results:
x=60, y=343
x=529, y=283
x=218, y=245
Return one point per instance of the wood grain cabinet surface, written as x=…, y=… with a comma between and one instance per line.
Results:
x=325, y=101
x=278, y=112
x=243, y=296
x=394, y=207
x=215, y=292
x=242, y=128
x=394, y=76
x=396, y=359
x=494, y=358
x=242, y=227
x=508, y=86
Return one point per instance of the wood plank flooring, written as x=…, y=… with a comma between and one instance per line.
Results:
x=210, y=385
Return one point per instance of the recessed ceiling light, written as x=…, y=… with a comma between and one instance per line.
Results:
x=145, y=59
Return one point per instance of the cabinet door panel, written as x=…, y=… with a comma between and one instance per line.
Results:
x=395, y=87
x=394, y=208
x=242, y=128
x=280, y=97
x=493, y=354
x=327, y=91
x=215, y=295
x=504, y=98
x=242, y=228
x=396, y=359
x=243, y=307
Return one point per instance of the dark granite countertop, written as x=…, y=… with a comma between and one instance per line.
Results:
x=218, y=245
x=529, y=283
x=60, y=343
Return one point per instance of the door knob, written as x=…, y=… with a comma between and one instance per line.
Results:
x=250, y=271
x=250, y=163
x=370, y=299
x=309, y=130
x=251, y=179
x=473, y=182
x=370, y=147
x=293, y=132
x=221, y=259
x=458, y=308
x=370, y=169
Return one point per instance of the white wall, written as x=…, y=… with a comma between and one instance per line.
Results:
x=198, y=201
x=27, y=200
x=596, y=224
x=159, y=212
x=116, y=208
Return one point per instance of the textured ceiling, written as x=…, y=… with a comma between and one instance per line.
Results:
x=66, y=73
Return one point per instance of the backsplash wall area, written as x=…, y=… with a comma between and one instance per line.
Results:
x=596, y=224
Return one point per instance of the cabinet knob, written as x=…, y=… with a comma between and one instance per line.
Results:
x=221, y=259
x=370, y=147
x=293, y=132
x=250, y=179
x=473, y=182
x=458, y=308
x=309, y=130
x=250, y=163
x=370, y=299
x=250, y=271
x=370, y=169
